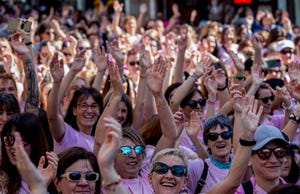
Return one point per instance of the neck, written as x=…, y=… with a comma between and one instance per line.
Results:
x=222, y=158
x=267, y=184
x=84, y=129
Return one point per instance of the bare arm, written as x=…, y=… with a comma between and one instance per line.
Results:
x=182, y=45
x=101, y=62
x=118, y=7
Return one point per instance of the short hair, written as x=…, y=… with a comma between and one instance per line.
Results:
x=9, y=103
x=72, y=155
x=134, y=136
x=213, y=122
x=170, y=152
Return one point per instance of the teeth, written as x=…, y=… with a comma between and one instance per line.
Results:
x=220, y=146
x=132, y=163
x=168, y=184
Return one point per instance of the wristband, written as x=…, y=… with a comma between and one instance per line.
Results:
x=221, y=89
x=240, y=76
x=247, y=143
x=293, y=117
x=28, y=43
x=211, y=102
x=111, y=186
x=194, y=77
x=287, y=108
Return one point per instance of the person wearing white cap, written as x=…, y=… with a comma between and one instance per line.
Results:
x=286, y=50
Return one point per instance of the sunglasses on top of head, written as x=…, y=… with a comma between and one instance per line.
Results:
x=266, y=153
x=214, y=136
x=176, y=170
x=193, y=103
x=126, y=150
x=266, y=99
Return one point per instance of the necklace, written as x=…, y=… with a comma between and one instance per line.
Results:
x=220, y=165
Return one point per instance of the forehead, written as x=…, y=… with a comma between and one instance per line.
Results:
x=273, y=144
x=264, y=92
x=81, y=165
x=218, y=128
x=7, y=82
x=170, y=160
x=127, y=141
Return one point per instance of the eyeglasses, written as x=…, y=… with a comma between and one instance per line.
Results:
x=284, y=52
x=85, y=107
x=67, y=54
x=49, y=32
x=266, y=153
x=9, y=140
x=214, y=136
x=82, y=48
x=132, y=63
x=193, y=103
x=266, y=99
x=176, y=170
x=126, y=150
x=76, y=176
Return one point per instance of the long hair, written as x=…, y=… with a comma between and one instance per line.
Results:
x=29, y=126
x=80, y=95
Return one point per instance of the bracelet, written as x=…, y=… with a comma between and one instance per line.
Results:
x=142, y=76
x=211, y=102
x=28, y=43
x=194, y=77
x=240, y=76
x=247, y=143
x=111, y=186
x=293, y=117
x=221, y=89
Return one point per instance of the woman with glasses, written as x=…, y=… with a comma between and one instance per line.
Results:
x=77, y=172
x=35, y=145
x=81, y=116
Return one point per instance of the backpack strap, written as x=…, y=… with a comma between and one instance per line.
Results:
x=248, y=187
x=202, y=179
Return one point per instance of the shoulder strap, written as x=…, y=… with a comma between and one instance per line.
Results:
x=248, y=187
x=202, y=179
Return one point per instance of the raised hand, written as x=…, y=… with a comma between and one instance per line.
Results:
x=100, y=58
x=143, y=8
x=257, y=42
x=239, y=65
x=294, y=71
x=57, y=68
x=179, y=120
x=18, y=43
x=145, y=57
x=115, y=51
x=237, y=95
x=115, y=78
x=182, y=39
x=155, y=76
x=294, y=88
x=210, y=82
x=118, y=7
x=193, y=127
x=257, y=75
x=79, y=61
x=250, y=115
x=49, y=172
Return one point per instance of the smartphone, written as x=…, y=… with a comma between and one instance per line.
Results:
x=271, y=63
x=14, y=23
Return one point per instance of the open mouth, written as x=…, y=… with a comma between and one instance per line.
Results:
x=220, y=146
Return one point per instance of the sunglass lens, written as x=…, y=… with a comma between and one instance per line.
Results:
x=280, y=152
x=178, y=170
x=91, y=176
x=160, y=168
x=125, y=150
x=272, y=98
x=202, y=102
x=212, y=136
x=192, y=104
x=139, y=149
x=74, y=176
x=226, y=134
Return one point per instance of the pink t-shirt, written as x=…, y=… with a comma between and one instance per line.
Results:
x=140, y=184
x=256, y=188
x=73, y=138
x=195, y=170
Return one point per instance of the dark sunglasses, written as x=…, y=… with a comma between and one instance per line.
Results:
x=266, y=99
x=9, y=140
x=126, y=150
x=193, y=103
x=132, y=63
x=82, y=48
x=287, y=52
x=176, y=170
x=76, y=176
x=214, y=136
x=266, y=153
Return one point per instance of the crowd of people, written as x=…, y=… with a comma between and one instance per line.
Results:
x=92, y=102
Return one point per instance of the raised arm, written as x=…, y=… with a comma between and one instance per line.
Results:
x=112, y=105
x=250, y=119
x=182, y=45
x=118, y=8
x=111, y=180
x=56, y=121
x=33, y=96
x=155, y=78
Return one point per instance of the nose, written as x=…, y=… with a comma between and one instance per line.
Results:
x=169, y=174
x=83, y=182
x=132, y=154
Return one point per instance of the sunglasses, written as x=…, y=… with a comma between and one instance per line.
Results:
x=132, y=63
x=287, y=52
x=193, y=103
x=266, y=99
x=214, y=136
x=67, y=54
x=76, y=176
x=82, y=48
x=266, y=153
x=126, y=150
x=9, y=140
x=176, y=170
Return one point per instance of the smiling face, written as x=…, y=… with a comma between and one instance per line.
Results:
x=128, y=166
x=269, y=169
x=262, y=93
x=187, y=109
x=82, y=186
x=122, y=112
x=220, y=148
x=168, y=183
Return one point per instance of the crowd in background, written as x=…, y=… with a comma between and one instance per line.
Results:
x=100, y=102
